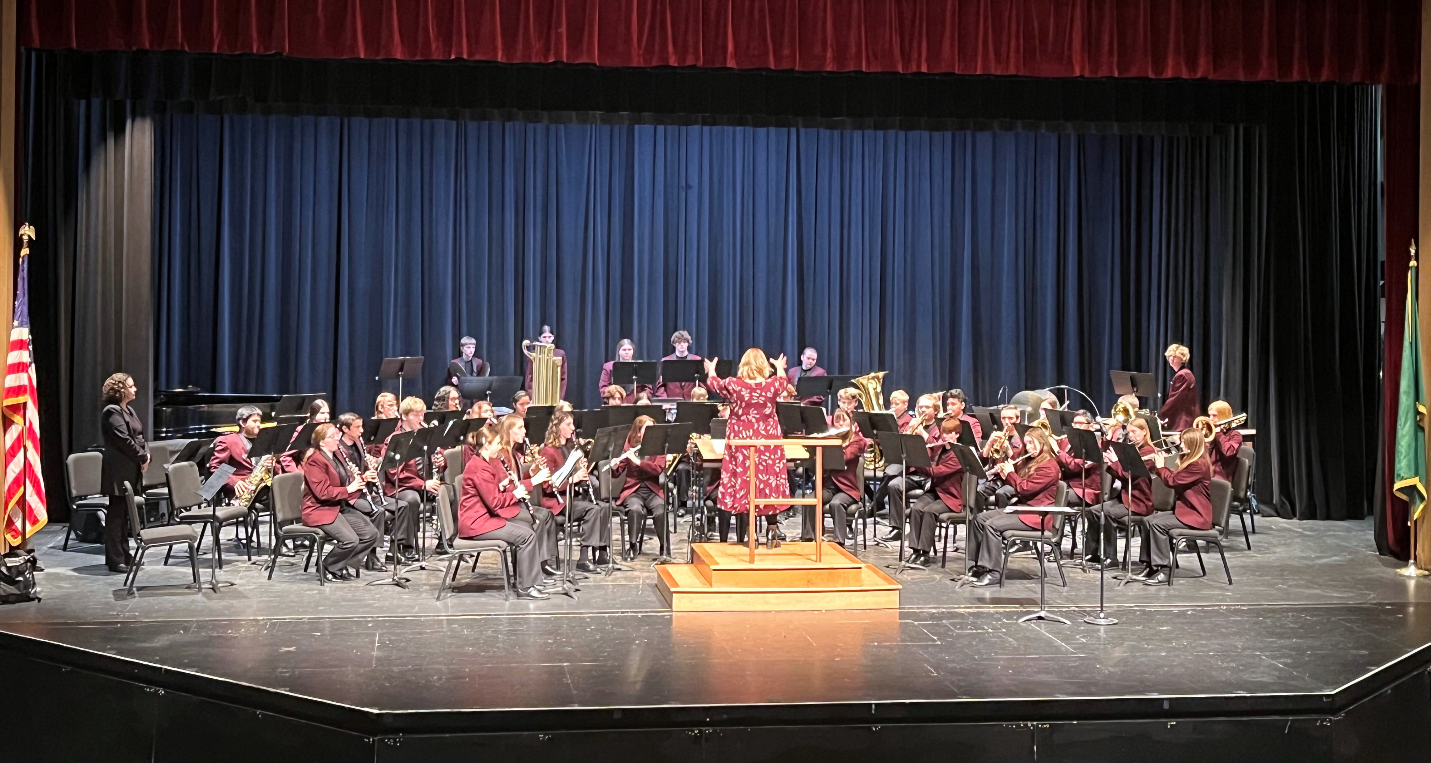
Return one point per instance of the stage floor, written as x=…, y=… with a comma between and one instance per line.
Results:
x=1313, y=610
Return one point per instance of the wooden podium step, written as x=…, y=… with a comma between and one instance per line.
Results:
x=722, y=579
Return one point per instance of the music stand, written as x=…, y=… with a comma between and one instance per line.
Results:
x=503, y=388
x=191, y=450
x=792, y=422
x=698, y=414
x=669, y=440
x=440, y=419
x=625, y=415
x=541, y=410
x=679, y=371
x=475, y=388
x=607, y=445
x=1136, y=468
x=635, y=373
x=589, y=422
x=377, y=430
x=290, y=405
x=718, y=428
x=400, y=369
x=912, y=452
x=988, y=420
x=1083, y=445
x=537, y=427
x=1134, y=383
x=808, y=387
x=724, y=367
x=421, y=446
x=1042, y=511
x=968, y=456
x=210, y=488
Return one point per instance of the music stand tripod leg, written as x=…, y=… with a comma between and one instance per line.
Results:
x=393, y=578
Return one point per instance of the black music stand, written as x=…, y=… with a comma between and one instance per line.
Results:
x=423, y=444
x=625, y=415
x=1136, y=468
x=988, y=419
x=400, y=369
x=671, y=441
x=377, y=430
x=537, y=427
x=912, y=451
x=1083, y=445
x=296, y=405
x=812, y=387
x=679, y=371
x=1135, y=383
x=635, y=373
x=440, y=419
x=870, y=424
x=724, y=367
x=191, y=450
x=968, y=456
x=1043, y=511
x=718, y=428
x=541, y=410
x=608, y=444
x=503, y=388
x=792, y=422
x=698, y=414
x=589, y=422
x=393, y=457
x=207, y=491
x=475, y=388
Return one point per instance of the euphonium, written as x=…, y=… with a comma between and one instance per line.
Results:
x=1123, y=413
x=871, y=389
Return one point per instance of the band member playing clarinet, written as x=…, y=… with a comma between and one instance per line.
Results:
x=395, y=517
x=842, y=488
x=595, y=518
x=1135, y=499
x=547, y=337
x=1084, y=478
x=1034, y=483
x=681, y=341
x=465, y=364
x=1190, y=477
x=945, y=494
x=330, y=497
x=625, y=353
x=751, y=395
x=1180, y=407
x=489, y=506
x=642, y=494
x=404, y=483
x=1225, y=442
x=511, y=437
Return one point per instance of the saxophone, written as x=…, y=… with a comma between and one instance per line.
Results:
x=261, y=477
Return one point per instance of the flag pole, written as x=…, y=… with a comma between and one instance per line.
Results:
x=1411, y=570
x=27, y=234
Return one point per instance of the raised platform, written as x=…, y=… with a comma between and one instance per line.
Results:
x=722, y=579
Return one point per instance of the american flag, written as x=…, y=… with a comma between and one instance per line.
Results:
x=24, y=485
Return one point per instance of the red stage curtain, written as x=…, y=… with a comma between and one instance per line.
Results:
x=1401, y=135
x=1280, y=40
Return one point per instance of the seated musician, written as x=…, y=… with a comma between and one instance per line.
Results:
x=291, y=461
x=1007, y=441
x=625, y=353
x=512, y=437
x=521, y=401
x=1008, y=417
x=956, y=405
x=1034, y=482
x=563, y=405
x=613, y=394
x=595, y=518
x=842, y=488
x=233, y=448
x=924, y=424
x=1135, y=498
x=404, y=483
x=386, y=406
x=945, y=493
x=848, y=400
x=642, y=494
x=481, y=410
x=1225, y=442
x=642, y=398
x=681, y=343
x=447, y=399
x=1084, y=478
x=465, y=364
x=1190, y=477
x=489, y=508
x=331, y=498
x=388, y=516
x=899, y=406
x=700, y=395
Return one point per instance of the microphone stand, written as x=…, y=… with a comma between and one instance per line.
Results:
x=1102, y=617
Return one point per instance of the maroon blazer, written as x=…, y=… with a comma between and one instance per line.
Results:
x=1088, y=486
x=324, y=491
x=1138, y=499
x=947, y=478
x=847, y=480
x=232, y=449
x=972, y=424
x=1037, y=489
x=681, y=390
x=1180, y=407
x=1223, y=449
x=404, y=476
x=455, y=369
x=903, y=419
x=648, y=474
x=607, y=382
x=553, y=496
x=555, y=353
x=793, y=374
x=1192, y=488
x=484, y=504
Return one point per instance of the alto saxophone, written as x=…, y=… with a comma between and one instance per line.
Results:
x=261, y=477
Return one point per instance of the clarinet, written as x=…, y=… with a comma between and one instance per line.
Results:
x=375, y=493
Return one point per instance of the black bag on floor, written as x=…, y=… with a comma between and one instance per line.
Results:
x=17, y=578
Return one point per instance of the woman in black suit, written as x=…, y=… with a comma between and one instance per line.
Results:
x=126, y=457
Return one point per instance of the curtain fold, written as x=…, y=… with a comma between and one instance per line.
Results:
x=1279, y=40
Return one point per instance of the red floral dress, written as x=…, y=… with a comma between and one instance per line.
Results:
x=752, y=417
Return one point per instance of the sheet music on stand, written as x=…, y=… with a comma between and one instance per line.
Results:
x=215, y=482
x=573, y=460
x=400, y=368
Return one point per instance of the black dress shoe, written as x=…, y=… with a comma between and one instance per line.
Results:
x=891, y=537
x=531, y=593
x=585, y=566
x=549, y=568
x=335, y=577
x=987, y=579
x=119, y=569
x=603, y=556
x=373, y=565
x=1159, y=579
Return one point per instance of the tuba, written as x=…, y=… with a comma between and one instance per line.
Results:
x=871, y=389
x=546, y=372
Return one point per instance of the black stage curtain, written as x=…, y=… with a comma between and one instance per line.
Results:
x=1237, y=219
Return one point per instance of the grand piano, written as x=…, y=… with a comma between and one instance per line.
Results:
x=181, y=414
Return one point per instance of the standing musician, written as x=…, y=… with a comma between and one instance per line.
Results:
x=465, y=364
x=1191, y=480
x=842, y=487
x=1034, y=483
x=404, y=482
x=946, y=493
x=1084, y=478
x=625, y=353
x=233, y=449
x=642, y=494
x=956, y=405
x=547, y=337
x=386, y=406
x=681, y=342
x=331, y=494
x=1180, y=407
x=807, y=367
x=899, y=406
x=595, y=518
x=511, y=438
x=126, y=458
x=489, y=507
x=924, y=424
x=751, y=395
x=1225, y=442
x=1136, y=499
x=447, y=399
x=397, y=517
x=613, y=394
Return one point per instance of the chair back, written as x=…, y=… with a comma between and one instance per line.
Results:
x=132, y=504
x=1221, y=502
x=446, y=516
x=1248, y=453
x=1163, y=496
x=452, y=473
x=158, y=457
x=1060, y=494
x=201, y=459
x=1107, y=489
x=84, y=472
x=184, y=484
x=1240, y=478
x=609, y=486
x=286, y=495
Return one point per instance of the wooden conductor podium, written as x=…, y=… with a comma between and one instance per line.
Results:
x=817, y=575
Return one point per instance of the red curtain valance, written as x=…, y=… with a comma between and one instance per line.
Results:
x=1282, y=40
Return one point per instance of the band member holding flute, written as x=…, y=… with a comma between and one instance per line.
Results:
x=1190, y=477
x=945, y=493
x=1034, y=482
x=595, y=518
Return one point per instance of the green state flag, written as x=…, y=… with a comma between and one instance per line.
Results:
x=1410, y=474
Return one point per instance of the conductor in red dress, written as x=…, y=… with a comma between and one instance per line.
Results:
x=752, y=394
x=1180, y=408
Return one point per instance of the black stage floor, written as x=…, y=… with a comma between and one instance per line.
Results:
x=1316, y=627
